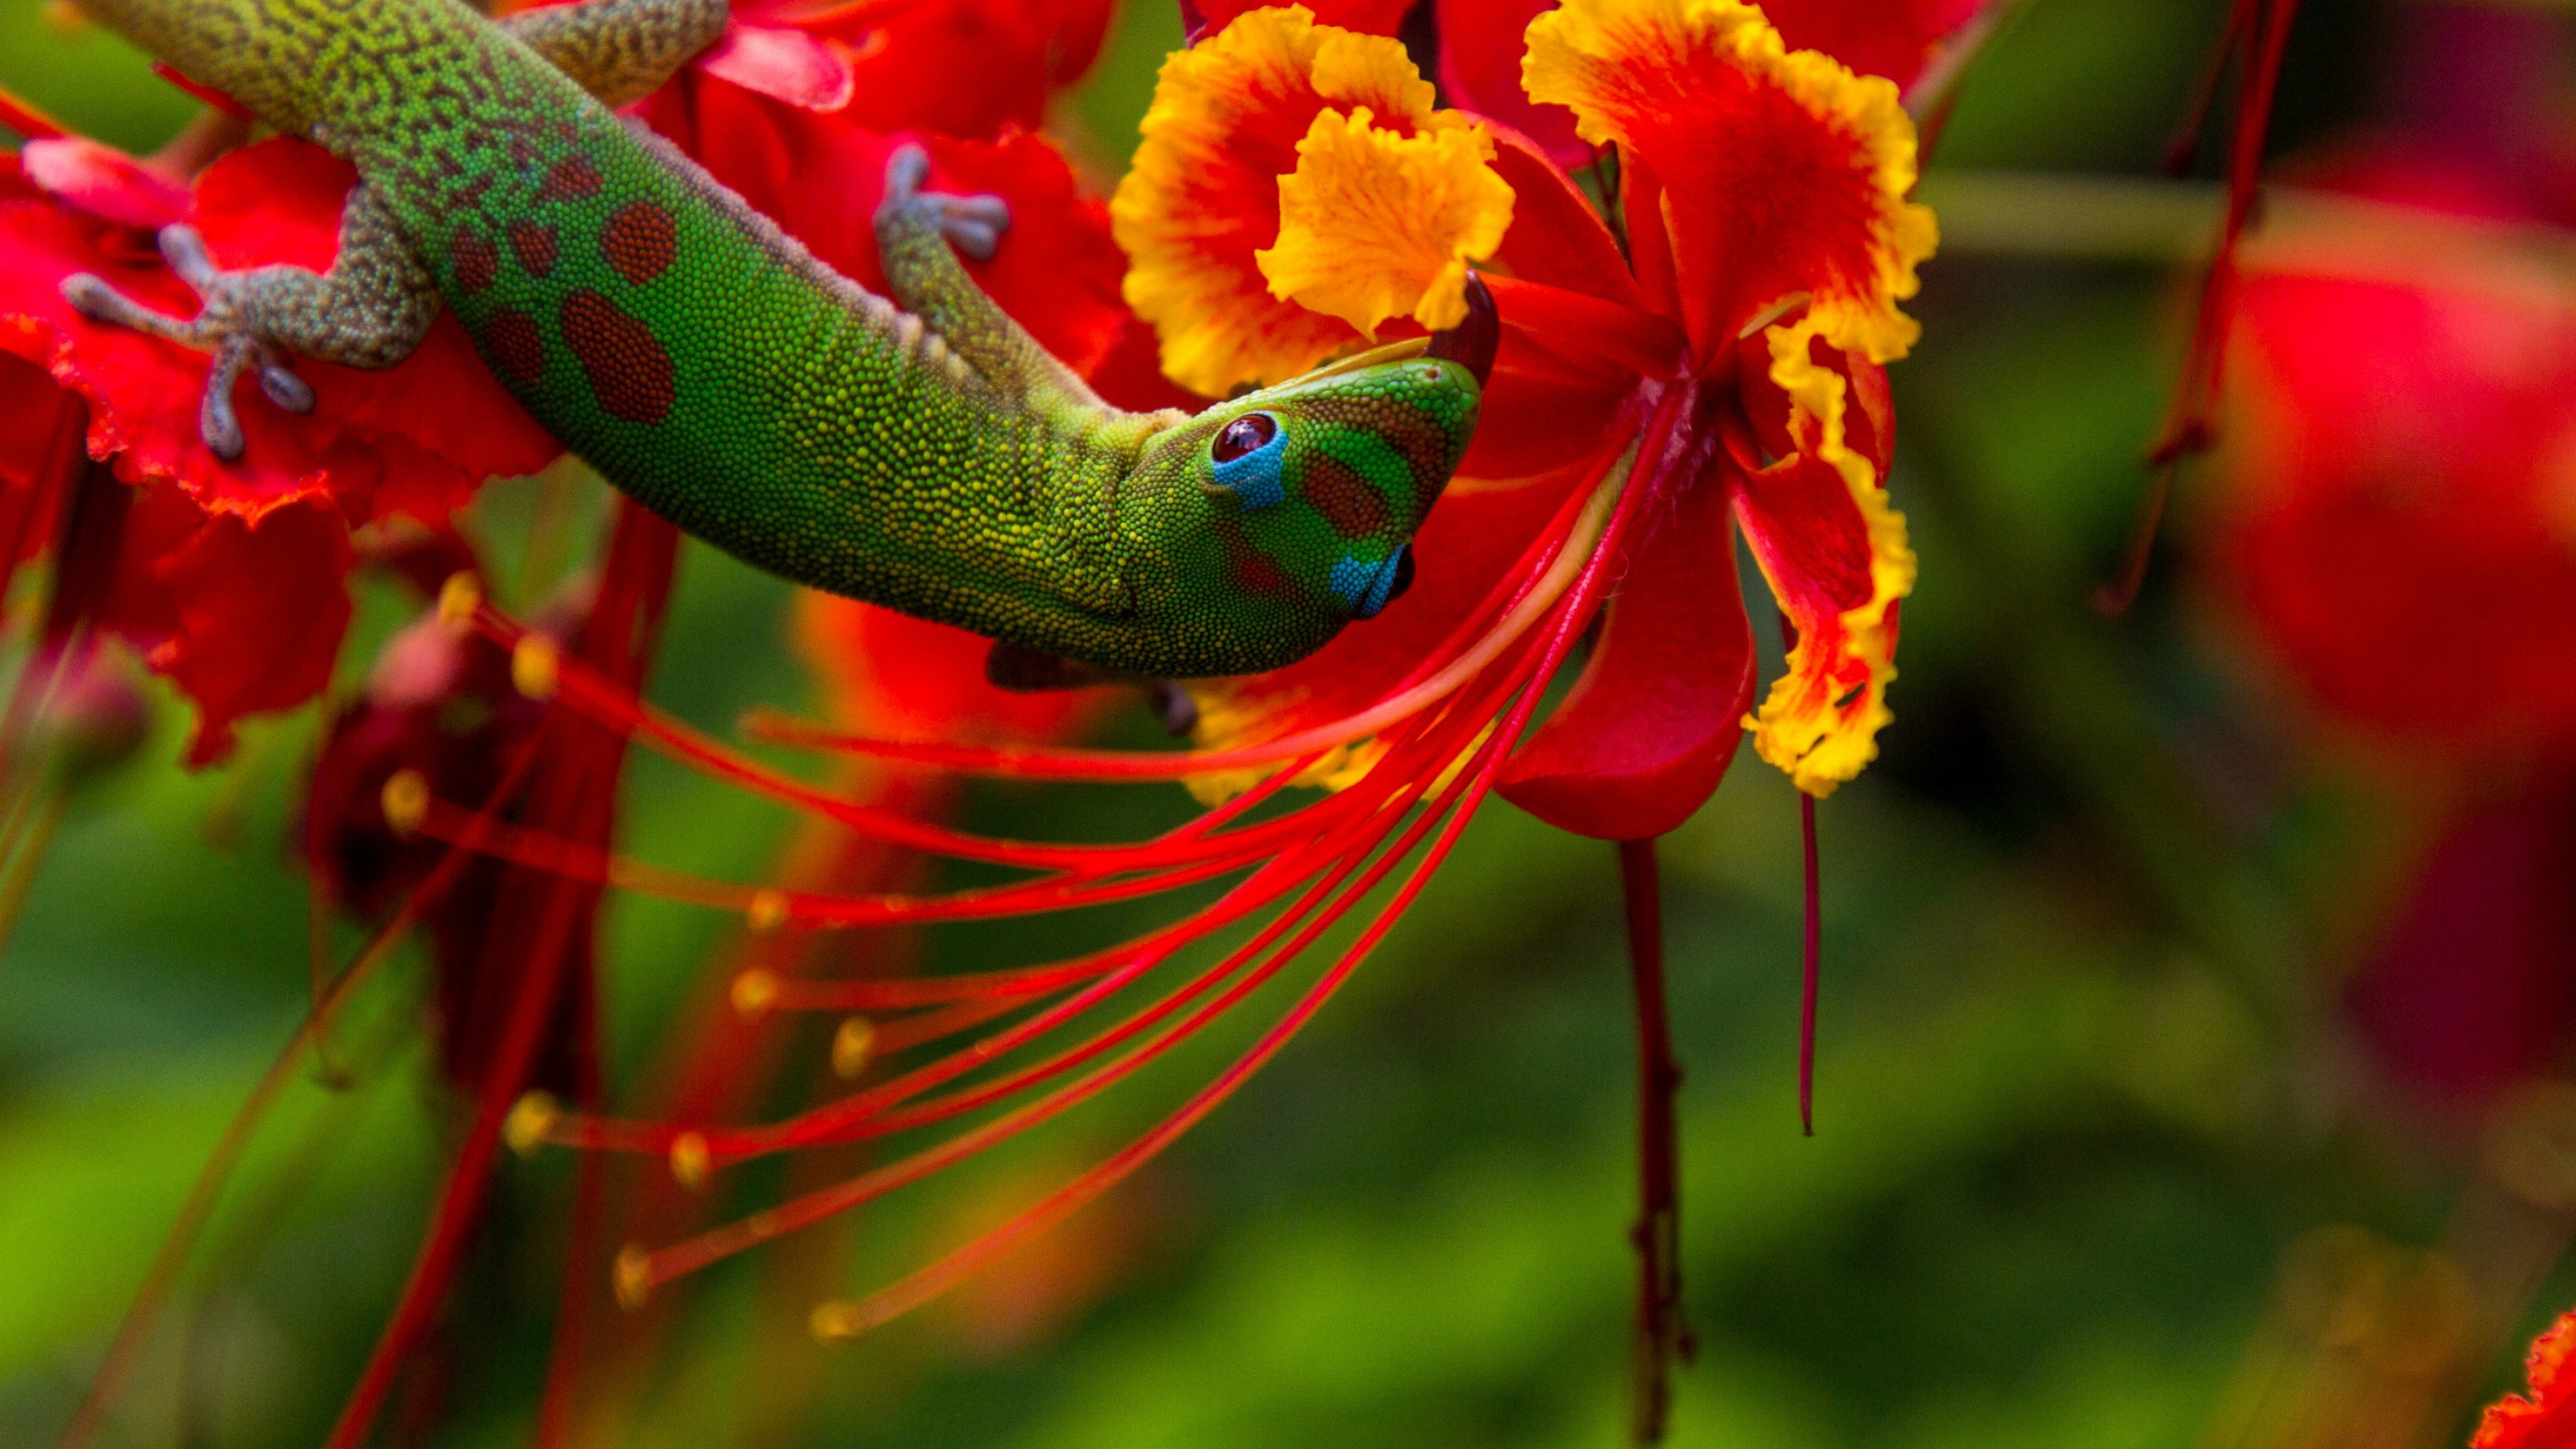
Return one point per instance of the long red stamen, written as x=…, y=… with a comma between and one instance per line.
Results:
x=920, y=1286
x=576, y=789
x=24, y=118
x=2190, y=426
x=1522, y=598
x=144, y=1312
x=1521, y=681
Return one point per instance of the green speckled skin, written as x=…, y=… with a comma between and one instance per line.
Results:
x=714, y=371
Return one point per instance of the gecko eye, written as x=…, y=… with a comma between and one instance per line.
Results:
x=1245, y=434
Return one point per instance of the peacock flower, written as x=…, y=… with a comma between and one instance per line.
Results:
x=1704, y=364
x=1698, y=361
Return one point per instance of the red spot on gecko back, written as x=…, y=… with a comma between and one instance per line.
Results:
x=517, y=348
x=629, y=370
x=571, y=179
x=476, y=260
x=640, y=241
x=535, y=247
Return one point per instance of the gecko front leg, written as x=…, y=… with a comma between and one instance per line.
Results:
x=370, y=310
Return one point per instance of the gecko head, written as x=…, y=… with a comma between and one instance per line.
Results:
x=1295, y=506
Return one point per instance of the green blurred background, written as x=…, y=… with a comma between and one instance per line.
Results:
x=2093, y=1163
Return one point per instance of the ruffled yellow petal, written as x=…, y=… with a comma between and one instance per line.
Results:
x=1820, y=722
x=1204, y=196
x=1373, y=224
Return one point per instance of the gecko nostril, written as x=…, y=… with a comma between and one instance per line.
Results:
x=1246, y=434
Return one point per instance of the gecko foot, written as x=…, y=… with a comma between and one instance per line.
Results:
x=972, y=224
x=219, y=327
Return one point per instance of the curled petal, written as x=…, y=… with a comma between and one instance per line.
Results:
x=1374, y=225
x=104, y=182
x=244, y=615
x=1836, y=557
x=1649, y=728
x=785, y=65
x=415, y=438
x=1204, y=194
x=2548, y=1416
x=1783, y=174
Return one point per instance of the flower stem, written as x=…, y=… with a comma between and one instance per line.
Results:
x=1661, y=1338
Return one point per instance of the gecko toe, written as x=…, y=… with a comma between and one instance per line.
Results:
x=285, y=389
x=186, y=253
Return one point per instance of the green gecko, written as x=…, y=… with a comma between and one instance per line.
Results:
x=922, y=452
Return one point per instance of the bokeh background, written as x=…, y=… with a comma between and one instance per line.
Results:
x=2191, y=1066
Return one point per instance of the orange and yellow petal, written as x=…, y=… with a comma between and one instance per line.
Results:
x=2548, y=1416
x=1783, y=174
x=1835, y=554
x=1373, y=224
x=1203, y=197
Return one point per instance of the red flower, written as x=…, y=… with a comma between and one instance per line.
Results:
x=232, y=576
x=1636, y=419
x=2395, y=519
x=2547, y=1418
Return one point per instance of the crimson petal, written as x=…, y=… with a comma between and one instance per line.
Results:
x=1650, y=727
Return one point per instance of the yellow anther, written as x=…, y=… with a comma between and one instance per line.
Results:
x=690, y=1160
x=830, y=1321
x=406, y=801
x=852, y=1045
x=532, y=1119
x=458, y=598
x=536, y=666
x=754, y=992
x=633, y=1276
x=768, y=910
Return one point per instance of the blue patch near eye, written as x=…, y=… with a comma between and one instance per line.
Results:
x=1365, y=587
x=1254, y=478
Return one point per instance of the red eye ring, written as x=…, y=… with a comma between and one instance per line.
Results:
x=1247, y=434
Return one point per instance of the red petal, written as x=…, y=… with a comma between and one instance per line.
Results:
x=441, y=422
x=1376, y=17
x=1648, y=730
x=2396, y=528
x=249, y=615
x=1556, y=236
x=820, y=177
x=1541, y=411
x=1874, y=37
x=104, y=182
x=960, y=67
x=1480, y=71
x=785, y=65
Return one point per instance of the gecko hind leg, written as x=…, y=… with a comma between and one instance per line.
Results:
x=370, y=310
